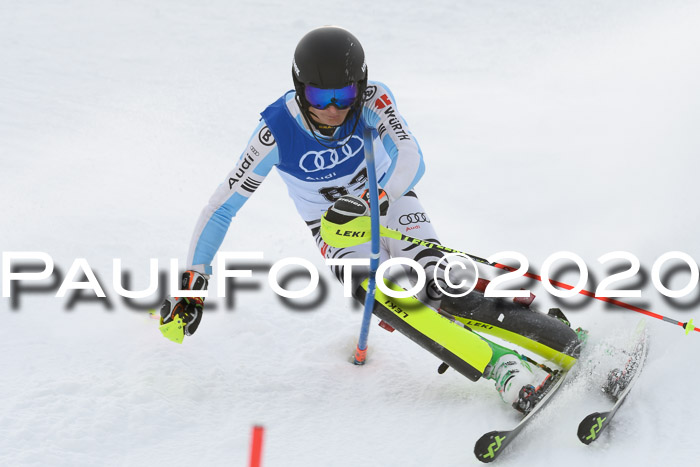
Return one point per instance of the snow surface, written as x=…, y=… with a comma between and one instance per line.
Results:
x=545, y=125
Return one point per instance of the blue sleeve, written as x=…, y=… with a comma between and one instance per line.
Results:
x=407, y=166
x=241, y=182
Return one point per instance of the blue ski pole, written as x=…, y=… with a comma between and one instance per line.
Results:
x=361, y=350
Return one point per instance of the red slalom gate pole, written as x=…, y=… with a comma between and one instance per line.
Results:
x=256, y=442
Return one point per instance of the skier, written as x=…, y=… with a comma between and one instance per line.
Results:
x=313, y=136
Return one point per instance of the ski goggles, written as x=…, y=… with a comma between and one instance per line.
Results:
x=322, y=98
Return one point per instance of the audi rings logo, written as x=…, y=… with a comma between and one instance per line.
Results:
x=313, y=161
x=265, y=136
x=414, y=218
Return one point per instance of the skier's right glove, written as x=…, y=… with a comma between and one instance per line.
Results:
x=180, y=316
x=349, y=207
x=383, y=200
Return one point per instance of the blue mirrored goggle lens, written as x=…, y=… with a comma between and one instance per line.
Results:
x=322, y=98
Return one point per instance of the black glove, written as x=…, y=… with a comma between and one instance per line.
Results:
x=349, y=207
x=189, y=309
x=383, y=200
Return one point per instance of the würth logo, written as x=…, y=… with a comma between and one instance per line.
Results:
x=382, y=101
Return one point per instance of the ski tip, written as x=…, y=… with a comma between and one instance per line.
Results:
x=591, y=426
x=488, y=447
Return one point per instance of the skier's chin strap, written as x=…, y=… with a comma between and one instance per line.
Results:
x=326, y=130
x=356, y=110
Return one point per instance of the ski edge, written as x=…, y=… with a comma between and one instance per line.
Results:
x=490, y=445
x=592, y=425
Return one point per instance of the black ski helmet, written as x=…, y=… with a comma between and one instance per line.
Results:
x=329, y=57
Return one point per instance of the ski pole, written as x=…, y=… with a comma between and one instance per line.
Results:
x=361, y=350
x=357, y=230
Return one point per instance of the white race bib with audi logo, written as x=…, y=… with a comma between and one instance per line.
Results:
x=314, y=161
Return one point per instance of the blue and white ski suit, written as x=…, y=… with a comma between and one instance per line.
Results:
x=319, y=170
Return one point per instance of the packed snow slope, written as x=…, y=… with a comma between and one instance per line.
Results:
x=546, y=126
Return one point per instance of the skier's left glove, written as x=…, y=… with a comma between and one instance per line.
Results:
x=184, y=311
